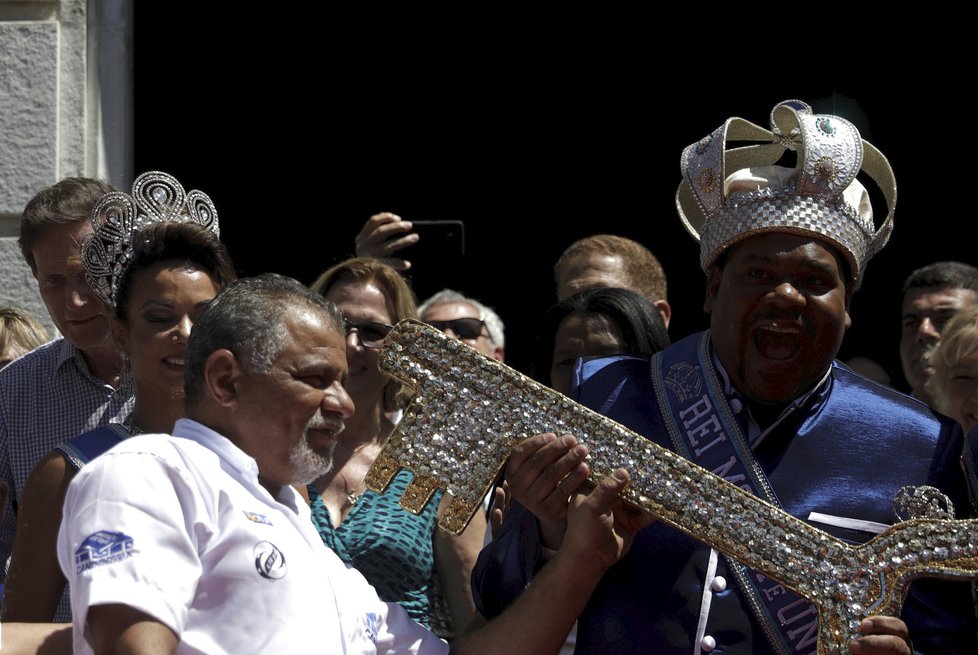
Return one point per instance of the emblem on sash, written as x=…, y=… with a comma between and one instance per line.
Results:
x=684, y=380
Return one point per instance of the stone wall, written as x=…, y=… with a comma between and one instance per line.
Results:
x=65, y=72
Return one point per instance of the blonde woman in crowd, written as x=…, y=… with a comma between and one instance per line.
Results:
x=954, y=383
x=19, y=333
x=399, y=553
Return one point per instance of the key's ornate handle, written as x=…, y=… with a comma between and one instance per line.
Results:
x=469, y=411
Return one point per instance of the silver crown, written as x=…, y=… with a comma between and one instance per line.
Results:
x=156, y=198
x=820, y=196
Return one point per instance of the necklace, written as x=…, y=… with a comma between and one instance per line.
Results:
x=352, y=495
x=363, y=455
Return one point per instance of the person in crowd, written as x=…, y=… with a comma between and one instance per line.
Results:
x=20, y=333
x=932, y=294
x=608, y=260
x=396, y=551
x=466, y=319
x=953, y=387
x=154, y=282
x=757, y=399
x=954, y=383
x=73, y=383
x=598, y=321
x=199, y=542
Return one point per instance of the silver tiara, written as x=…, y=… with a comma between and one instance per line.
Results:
x=156, y=198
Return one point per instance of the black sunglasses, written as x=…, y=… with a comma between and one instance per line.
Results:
x=370, y=334
x=464, y=328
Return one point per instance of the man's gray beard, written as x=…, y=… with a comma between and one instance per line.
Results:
x=307, y=464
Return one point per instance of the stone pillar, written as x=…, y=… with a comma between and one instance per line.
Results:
x=65, y=110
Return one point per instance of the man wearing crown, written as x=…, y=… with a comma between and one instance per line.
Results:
x=759, y=400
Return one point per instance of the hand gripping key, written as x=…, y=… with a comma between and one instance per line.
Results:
x=469, y=411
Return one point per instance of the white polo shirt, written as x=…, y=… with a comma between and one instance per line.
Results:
x=179, y=528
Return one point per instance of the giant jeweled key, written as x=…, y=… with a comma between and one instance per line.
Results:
x=469, y=411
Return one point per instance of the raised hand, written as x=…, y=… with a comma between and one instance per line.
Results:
x=383, y=235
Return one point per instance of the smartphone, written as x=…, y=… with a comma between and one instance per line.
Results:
x=437, y=240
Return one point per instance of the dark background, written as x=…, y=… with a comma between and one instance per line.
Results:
x=533, y=138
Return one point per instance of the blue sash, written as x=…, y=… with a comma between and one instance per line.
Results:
x=87, y=446
x=702, y=428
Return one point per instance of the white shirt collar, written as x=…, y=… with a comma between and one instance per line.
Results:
x=242, y=465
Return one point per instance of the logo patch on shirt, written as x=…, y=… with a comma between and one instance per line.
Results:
x=103, y=548
x=373, y=626
x=258, y=518
x=269, y=561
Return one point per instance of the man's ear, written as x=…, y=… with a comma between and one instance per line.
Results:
x=222, y=375
x=665, y=311
x=712, y=288
x=849, y=292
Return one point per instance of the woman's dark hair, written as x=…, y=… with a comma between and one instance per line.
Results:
x=178, y=241
x=636, y=317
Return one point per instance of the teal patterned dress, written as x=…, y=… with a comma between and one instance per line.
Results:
x=390, y=546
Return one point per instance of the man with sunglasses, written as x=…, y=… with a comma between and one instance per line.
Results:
x=467, y=320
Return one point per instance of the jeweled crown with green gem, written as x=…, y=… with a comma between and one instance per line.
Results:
x=830, y=154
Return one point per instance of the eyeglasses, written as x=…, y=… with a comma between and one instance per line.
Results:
x=464, y=328
x=370, y=334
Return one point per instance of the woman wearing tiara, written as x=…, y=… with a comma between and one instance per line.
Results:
x=400, y=554
x=156, y=261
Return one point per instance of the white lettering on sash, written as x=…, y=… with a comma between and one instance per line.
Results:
x=702, y=407
x=771, y=590
x=706, y=424
x=700, y=451
x=807, y=633
x=724, y=468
